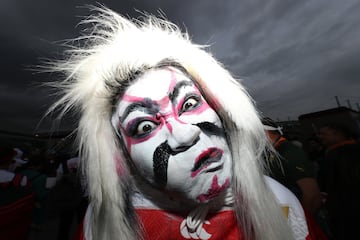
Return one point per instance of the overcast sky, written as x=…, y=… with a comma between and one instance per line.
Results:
x=294, y=57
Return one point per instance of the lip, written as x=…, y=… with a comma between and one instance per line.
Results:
x=206, y=158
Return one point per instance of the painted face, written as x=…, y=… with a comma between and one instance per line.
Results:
x=175, y=139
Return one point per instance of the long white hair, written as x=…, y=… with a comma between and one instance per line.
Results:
x=96, y=73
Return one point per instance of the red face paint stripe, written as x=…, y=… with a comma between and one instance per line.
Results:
x=173, y=80
x=140, y=140
x=214, y=190
x=130, y=98
x=164, y=102
x=131, y=123
x=200, y=109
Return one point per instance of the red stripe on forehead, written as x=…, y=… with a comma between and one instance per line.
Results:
x=173, y=80
x=130, y=98
x=162, y=102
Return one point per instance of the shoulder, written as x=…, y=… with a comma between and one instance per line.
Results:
x=346, y=151
x=350, y=148
x=6, y=176
x=283, y=195
x=296, y=157
x=17, y=179
x=288, y=147
x=291, y=207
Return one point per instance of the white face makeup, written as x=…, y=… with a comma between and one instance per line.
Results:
x=175, y=139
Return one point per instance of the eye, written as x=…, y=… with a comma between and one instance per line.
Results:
x=145, y=127
x=190, y=104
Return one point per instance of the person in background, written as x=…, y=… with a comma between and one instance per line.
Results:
x=71, y=164
x=34, y=170
x=18, y=160
x=16, y=199
x=292, y=168
x=7, y=156
x=69, y=168
x=339, y=177
x=315, y=151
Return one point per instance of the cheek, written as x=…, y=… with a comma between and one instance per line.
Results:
x=142, y=153
x=181, y=166
x=142, y=158
x=179, y=175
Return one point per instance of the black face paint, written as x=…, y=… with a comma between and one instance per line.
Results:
x=160, y=163
x=147, y=105
x=211, y=129
x=163, y=152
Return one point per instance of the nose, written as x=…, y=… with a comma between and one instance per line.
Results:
x=182, y=136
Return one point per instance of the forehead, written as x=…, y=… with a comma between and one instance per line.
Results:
x=156, y=83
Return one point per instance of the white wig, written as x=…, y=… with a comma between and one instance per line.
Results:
x=97, y=73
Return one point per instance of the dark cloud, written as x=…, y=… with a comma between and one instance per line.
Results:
x=296, y=58
x=293, y=56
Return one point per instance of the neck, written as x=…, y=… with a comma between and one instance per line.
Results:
x=278, y=140
x=146, y=196
x=341, y=143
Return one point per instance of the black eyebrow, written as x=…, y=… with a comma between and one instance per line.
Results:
x=148, y=106
x=175, y=93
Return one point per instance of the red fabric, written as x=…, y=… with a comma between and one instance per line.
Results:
x=15, y=219
x=79, y=233
x=16, y=215
x=315, y=232
x=160, y=225
x=15, y=182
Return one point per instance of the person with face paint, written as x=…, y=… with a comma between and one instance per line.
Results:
x=171, y=142
x=174, y=138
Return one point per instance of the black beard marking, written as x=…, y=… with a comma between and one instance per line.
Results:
x=211, y=129
x=163, y=152
x=160, y=163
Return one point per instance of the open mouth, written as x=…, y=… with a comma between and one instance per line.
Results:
x=207, y=157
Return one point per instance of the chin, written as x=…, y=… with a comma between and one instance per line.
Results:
x=214, y=186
